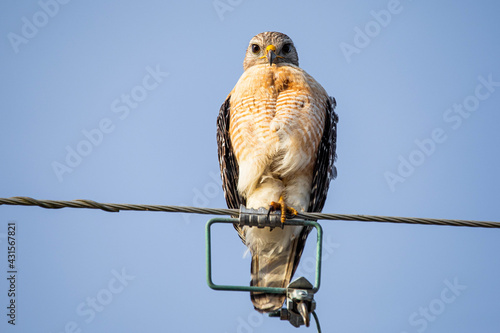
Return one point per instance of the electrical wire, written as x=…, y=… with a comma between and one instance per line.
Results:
x=113, y=207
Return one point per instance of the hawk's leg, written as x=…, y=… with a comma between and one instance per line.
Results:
x=281, y=205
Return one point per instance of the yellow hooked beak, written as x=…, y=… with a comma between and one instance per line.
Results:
x=271, y=54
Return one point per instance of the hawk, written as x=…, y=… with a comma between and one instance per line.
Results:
x=276, y=136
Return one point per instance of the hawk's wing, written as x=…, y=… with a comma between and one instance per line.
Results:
x=324, y=172
x=228, y=164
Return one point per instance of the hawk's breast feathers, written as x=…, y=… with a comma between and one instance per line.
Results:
x=275, y=114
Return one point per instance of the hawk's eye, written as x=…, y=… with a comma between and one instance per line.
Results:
x=255, y=48
x=286, y=48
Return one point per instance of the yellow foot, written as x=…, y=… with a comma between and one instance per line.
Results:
x=281, y=205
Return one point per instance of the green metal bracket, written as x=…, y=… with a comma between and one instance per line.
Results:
x=319, y=246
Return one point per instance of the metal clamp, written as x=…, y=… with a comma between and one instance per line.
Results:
x=299, y=303
x=259, y=218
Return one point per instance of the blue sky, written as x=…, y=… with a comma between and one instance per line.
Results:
x=117, y=102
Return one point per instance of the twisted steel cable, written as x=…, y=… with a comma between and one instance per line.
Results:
x=113, y=207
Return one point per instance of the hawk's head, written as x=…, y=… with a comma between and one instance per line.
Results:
x=272, y=48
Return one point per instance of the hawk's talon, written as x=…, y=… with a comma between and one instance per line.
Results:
x=292, y=212
x=285, y=210
x=273, y=207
